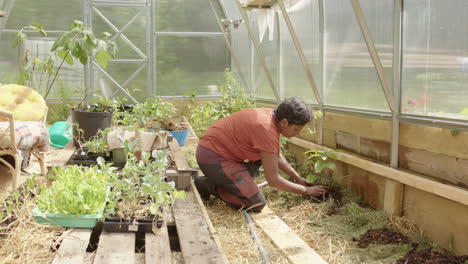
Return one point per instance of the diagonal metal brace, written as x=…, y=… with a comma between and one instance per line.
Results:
x=256, y=44
x=302, y=57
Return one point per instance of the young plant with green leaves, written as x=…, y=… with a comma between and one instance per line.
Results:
x=141, y=190
x=98, y=143
x=319, y=160
x=78, y=43
x=151, y=113
x=233, y=99
x=77, y=190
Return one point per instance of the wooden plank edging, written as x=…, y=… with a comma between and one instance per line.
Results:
x=452, y=193
x=292, y=246
x=208, y=221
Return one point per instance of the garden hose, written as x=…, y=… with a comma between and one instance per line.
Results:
x=254, y=235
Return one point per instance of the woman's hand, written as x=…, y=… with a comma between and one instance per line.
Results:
x=315, y=190
x=303, y=182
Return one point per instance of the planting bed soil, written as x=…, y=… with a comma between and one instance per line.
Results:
x=381, y=236
x=332, y=193
x=431, y=256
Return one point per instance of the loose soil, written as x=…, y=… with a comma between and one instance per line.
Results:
x=332, y=193
x=382, y=236
x=431, y=256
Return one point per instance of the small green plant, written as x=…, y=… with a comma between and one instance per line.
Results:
x=319, y=160
x=98, y=143
x=77, y=190
x=141, y=190
x=60, y=112
x=190, y=96
x=151, y=113
x=78, y=43
x=233, y=99
x=317, y=115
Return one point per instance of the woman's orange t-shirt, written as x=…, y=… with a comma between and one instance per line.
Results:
x=242, y=135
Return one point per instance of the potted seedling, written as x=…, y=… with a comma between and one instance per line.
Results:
x=89, y=151
x=77, y=44
x=139, y=194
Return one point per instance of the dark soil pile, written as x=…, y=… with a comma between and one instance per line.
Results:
x=332, y=193
x=382, y=236
x=431, y=256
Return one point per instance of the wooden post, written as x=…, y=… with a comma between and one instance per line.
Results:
x=393, y=201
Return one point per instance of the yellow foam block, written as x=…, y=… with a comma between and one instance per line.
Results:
x=24, y=102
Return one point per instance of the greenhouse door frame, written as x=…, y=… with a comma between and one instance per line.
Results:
x=91, y=9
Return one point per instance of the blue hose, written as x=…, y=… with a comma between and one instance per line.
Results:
x=257, y=241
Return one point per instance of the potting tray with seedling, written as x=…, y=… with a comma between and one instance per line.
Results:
x=139, y=193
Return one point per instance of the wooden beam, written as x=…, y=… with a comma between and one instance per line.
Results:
x=211, y=227
x=115, y=248
x=157, y=248
x=393, y=201
x=195, y=238
x=292, y=246
x=179, y=156
x=73, y=247
x=443, y=190
x=183, y=175
x=59, y=157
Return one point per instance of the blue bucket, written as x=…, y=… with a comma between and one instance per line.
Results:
x=180, y=135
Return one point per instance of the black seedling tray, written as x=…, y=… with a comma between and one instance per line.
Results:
x=116, y=224
x=85, y=158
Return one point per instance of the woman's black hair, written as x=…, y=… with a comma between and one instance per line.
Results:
x=295, y=110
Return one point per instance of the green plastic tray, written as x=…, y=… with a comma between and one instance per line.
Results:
x=77, y=221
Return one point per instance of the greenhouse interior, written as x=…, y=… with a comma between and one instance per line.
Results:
x=233, y=131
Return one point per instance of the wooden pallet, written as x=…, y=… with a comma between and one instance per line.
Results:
x=182, y=174
x=186, y=237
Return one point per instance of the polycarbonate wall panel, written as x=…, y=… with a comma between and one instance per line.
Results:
x=121, y=72
x=52, y=14
x=241, y=46
x=185, y=16
x=435, y=58
x=190, y=63
x=70, y=78
x=131, y=42
x=270, y=50
x=305, y=19
x=350, y=76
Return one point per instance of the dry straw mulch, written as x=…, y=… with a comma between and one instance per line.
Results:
x=24, y=241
